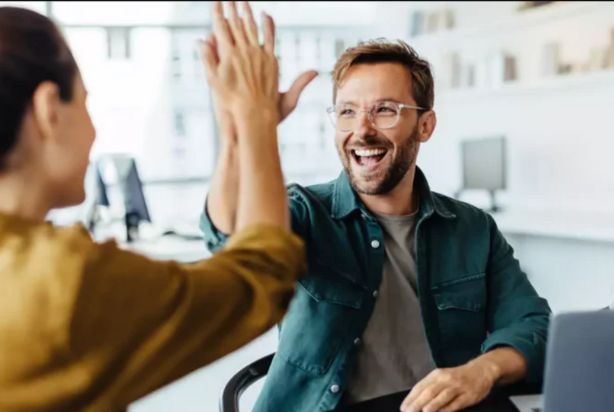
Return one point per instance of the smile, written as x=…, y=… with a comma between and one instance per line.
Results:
x=369, y=158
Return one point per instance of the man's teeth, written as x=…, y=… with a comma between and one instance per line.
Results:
x=369, y=152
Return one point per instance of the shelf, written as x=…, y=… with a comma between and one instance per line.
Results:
x=519, y=21
x=562, y=83
x=523, y=35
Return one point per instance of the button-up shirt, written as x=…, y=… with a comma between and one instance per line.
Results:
x=473, y=295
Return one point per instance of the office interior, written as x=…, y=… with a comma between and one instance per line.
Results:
x=526, y=87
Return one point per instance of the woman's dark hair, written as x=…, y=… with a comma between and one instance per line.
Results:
x=32, y=50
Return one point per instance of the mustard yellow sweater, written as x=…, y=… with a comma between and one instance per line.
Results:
x=91, y=327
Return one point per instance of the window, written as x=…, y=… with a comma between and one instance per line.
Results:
x=118, y=43
x=179, y=121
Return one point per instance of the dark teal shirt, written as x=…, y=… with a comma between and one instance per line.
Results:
x=473, y=295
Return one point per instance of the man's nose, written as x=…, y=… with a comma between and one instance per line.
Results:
x=363, y=126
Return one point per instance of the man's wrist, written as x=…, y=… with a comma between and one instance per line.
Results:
x=490, y=368
x=505, y=363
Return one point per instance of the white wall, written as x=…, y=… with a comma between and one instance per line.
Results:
x=560, y=141
x=559, y=129
x=571, y=274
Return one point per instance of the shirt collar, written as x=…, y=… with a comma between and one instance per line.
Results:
x=345, y=200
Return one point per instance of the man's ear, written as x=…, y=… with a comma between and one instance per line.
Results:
x=45, y=109
x=426, y=125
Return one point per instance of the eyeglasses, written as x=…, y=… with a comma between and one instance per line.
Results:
x=382, y=115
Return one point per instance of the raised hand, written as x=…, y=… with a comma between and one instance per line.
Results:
x=242, y=74
x=286, y=101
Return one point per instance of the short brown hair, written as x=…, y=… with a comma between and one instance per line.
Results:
x=386, y=51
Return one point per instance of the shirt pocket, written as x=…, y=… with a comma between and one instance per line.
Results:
x=461, y=310
x=324, y=311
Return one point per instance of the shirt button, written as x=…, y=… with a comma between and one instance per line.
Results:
x=334, y=388
x=375, y=293
x=375, y=244
x=356, y=341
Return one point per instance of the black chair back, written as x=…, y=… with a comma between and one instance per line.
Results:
x=241, y=381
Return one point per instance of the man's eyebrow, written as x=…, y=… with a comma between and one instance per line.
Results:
x=385, y=99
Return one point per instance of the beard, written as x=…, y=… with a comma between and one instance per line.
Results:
x=383, y=182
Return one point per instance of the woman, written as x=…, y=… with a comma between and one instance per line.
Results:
x=86, y=326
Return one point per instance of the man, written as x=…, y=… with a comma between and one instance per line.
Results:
x=406, y=288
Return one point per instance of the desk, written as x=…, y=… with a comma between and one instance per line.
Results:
x=567, y=255
x=579, y=226
x=170, y=248
x=496, y=402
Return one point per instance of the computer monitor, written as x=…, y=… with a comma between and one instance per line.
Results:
x=118, y=176
x=131, y=187
x=101, y=196
x=95, y=184
x=484, y=164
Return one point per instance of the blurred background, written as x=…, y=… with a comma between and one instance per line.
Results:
x=524, y=93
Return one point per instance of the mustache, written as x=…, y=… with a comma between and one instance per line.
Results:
x=368, y=141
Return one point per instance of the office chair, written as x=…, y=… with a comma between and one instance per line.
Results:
x=241, y=381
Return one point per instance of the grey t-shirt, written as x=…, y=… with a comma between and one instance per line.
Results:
x=394, y=354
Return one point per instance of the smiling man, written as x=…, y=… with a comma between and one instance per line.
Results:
x=407, y=288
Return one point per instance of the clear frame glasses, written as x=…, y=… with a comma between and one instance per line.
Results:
x=382, y=115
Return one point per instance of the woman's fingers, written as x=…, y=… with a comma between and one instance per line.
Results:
x=249, y=24
x=236, y=26
x=221, y=30
x=269, y=33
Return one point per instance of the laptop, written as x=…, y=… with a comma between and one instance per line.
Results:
x=579, y=374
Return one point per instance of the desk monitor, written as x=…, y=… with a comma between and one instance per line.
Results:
x=484, y=164
x=122, y=174
x=131, y=187
x=101, y=196
x=95, y=184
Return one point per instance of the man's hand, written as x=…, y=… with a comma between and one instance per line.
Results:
x=288, y=100
x=451, y=389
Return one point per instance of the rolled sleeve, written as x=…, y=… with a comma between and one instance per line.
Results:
x=528, y=338
x=518, y=317
x=214, y=238
x=299, y=218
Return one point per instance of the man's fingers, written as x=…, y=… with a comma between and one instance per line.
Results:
x=289, y=100
x=457, y=404
x=426, y=396
x=249, y=24
x=415, y=392
x=269, y=33
x=444, y=398
x=294, y=92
